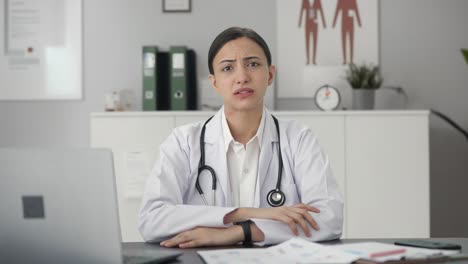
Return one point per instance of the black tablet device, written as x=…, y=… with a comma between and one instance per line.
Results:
x=427, y=244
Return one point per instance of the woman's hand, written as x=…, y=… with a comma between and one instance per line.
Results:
x=293, y=216
x=206, y=236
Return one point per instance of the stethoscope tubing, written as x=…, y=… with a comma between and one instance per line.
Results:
x=202, y=166
x=275, y=197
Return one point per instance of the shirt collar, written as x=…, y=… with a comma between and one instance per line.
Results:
x=228, y=136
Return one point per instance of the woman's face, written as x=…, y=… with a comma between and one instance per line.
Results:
x=241, y=75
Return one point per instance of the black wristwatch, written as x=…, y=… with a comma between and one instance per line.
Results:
x=247, y=232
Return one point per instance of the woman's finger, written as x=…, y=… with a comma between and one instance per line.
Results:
x=190, y=244
x=312, y=221
x=299, y=219
x=290, y=222
x=305, y=214
x=288, y=216
x=177, y=240
x=307, y=207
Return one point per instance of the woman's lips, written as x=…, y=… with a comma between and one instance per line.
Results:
x=244, y=92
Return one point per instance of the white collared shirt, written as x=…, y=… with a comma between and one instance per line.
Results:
x=242, y=164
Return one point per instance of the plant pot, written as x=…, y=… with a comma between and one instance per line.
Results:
x=363, y=99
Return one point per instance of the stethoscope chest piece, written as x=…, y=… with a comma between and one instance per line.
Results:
x=276, y=198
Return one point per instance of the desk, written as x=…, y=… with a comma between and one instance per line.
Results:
x=191, y=256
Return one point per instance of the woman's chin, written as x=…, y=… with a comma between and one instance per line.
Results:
x=245, y=106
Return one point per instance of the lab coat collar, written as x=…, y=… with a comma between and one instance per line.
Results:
x=214, y=137
x=228, y=139
x=214, y=128
x=269, y=131
x=270, y=136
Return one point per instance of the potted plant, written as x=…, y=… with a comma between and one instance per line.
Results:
x=364, y=79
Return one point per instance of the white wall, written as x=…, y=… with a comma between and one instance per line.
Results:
x=114, y=31
x=419, y=50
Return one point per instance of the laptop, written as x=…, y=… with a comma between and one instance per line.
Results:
x=60, y=206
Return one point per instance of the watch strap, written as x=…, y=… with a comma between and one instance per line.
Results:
x=247, y=232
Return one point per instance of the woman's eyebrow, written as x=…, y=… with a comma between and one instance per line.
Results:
x=245, y=59
x=251, y=57
x=227, y=60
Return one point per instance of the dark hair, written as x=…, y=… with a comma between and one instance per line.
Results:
x=233, y=33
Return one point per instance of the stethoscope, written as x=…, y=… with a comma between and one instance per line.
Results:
x=275, y=197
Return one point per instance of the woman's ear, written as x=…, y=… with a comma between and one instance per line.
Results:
x=271, y=74
x=212, y=79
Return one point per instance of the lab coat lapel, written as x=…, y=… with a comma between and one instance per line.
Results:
x=266, y=154
x=216, y=156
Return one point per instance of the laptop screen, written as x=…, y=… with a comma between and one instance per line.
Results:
x=58, y=206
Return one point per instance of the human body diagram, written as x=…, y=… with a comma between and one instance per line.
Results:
x=311, y=26
x=349, y=11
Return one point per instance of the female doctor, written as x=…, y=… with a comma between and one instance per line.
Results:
x=241, y=176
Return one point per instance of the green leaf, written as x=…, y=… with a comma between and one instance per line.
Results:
x=465, y=54
x=364, y=76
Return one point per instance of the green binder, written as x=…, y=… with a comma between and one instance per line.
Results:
x=179, y=79
x=150, y=78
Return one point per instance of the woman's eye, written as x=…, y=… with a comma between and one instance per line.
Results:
x=227, y=68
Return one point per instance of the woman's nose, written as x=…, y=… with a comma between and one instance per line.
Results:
x=242, y=75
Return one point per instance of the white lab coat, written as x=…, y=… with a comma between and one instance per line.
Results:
x=171, y=204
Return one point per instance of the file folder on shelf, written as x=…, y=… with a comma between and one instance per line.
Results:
x=155, y=79
x=150, y=78
x=183, y=91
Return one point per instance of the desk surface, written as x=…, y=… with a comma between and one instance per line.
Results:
x=191, y=256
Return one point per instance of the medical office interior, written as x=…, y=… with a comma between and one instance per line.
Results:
x=419, y=50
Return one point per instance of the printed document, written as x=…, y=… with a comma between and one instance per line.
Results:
x=295, y=250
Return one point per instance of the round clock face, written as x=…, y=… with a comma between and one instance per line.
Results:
x=327, y=98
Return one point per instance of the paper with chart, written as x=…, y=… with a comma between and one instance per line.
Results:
x=295, y=250
x=41, y=57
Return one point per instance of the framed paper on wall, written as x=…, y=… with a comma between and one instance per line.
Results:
x=41, y=50
x=177, y=5
x=317, y=39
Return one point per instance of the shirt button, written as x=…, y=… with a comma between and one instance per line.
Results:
x=246, y=171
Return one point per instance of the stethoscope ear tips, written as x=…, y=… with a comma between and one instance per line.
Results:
x=276, y=198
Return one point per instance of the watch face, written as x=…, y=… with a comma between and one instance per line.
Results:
x=327, y=98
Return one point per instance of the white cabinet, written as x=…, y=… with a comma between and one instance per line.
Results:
x=380, y=159
x=134, y=140
x=387, y=175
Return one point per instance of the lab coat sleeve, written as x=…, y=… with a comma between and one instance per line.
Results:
x=163, y=214
x=317, y=187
